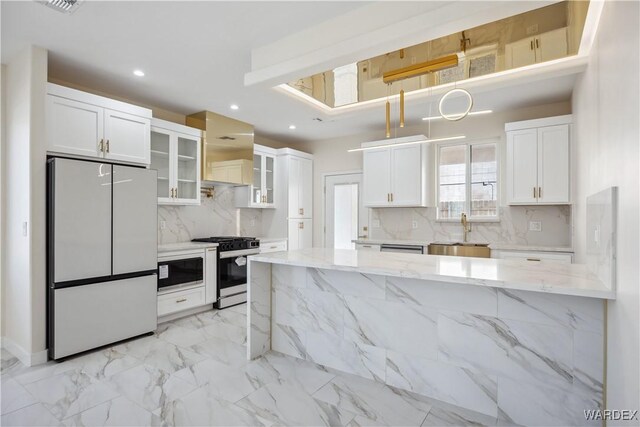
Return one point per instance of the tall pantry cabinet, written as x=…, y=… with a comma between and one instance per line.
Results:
x=293, y=216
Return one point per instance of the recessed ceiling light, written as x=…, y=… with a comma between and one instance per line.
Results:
x=473, y=113
x=234, y=107
x=292, y=127
x=138, y=73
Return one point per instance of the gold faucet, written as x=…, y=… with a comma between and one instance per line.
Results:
x=466, y=227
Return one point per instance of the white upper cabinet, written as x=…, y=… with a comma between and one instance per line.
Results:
x=260, y=194
x=377, y=177
x=175, y=154
x=83, y=124
x=538, y=161
x=395, y=176
x=543, y=47
x=126, y=137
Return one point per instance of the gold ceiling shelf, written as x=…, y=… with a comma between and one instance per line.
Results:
x=421, y=68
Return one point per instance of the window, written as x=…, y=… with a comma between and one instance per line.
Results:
x=468, y=181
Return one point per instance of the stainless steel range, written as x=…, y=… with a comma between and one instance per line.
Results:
x=232, y=267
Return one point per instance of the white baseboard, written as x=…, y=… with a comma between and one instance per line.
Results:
x=27, y=359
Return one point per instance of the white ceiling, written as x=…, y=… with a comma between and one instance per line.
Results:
x=195, y=56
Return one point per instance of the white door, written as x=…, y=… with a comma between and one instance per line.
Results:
x=522, y=167
x=81, y=219
x=551, y=45
x=127, y=137
x=406, y=175
x=553, y=164
x=294, y=187
x=376, y=176
x=135, y=215
x=306, y=188
x=73, y=127
x=520, y=53
x=345, y=217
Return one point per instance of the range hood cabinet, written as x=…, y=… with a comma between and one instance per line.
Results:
x=227, y=149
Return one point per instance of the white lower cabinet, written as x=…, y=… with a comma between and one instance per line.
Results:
x=181, y=300
x=536, y=257
x=300, y=233
x=367, y=247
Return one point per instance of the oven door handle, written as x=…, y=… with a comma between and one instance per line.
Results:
x=233, y=254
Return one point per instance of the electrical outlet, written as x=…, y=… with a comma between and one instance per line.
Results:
x=414, y=60
x=375, y=223
x=414, y=224
x=535, y=225
x=163, y=225
x=25, y=229
x=532, y=29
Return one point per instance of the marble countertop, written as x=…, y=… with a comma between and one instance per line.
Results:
x=494, y=246
x=562, y=279
x=184, y=246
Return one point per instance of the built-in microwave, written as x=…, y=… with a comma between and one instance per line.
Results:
x=180, y=271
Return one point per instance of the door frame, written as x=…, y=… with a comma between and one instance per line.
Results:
x=325, y=175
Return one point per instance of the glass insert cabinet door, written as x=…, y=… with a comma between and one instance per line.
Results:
x=269, y=162
x=160, y=161
x=187, y=169
x=257, y=194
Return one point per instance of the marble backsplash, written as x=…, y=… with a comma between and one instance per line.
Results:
x=216, y=216
x=513, y=228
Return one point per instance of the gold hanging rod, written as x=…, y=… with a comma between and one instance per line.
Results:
x=421, y=68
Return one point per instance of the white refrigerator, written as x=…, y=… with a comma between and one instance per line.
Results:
x=101, y=252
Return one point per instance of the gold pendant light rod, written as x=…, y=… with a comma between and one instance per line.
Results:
x=388, y=111
x=402, y=108
x=421, y=68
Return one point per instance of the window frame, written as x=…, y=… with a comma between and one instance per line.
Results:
x=467, y=158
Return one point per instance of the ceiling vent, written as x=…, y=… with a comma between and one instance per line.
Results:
x=64, y=6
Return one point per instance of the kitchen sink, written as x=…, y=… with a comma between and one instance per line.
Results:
x=478, y=250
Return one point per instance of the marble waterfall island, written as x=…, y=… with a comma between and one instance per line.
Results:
x=510, y=339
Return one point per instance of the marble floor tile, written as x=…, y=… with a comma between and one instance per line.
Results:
x=149, y=387
x=227, y=331
x=177, y=335
x=35, y=415
x=14, y=396
x=360, y=421
x=287, y=405
x=200, y=408
x=161, y=354
x=197, y=321
x=117, y=412
x=70, y=393
x=375, y=401
x=47, y=370
x=241, y=308
x=443, y=414
x=225, y=351
x=105, y=363
x=9, y=364
x=296, y=372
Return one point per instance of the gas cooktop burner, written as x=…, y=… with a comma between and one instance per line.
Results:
x=231, y=243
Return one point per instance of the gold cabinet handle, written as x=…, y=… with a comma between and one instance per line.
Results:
x=537, y=43
x=531, y=44
x=107, y=145
x=539, y=192
x=171, y=193
x=300, y=211
x=301, y=225
x=176, y=193
x=181, y=300
x=101, y=145
x=392, y=197
x=533, y=259
x=273, y=247
x=388, y=197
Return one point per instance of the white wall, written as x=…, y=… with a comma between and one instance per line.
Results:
x=331, y=155
x=24, y=202
x=606, y=113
